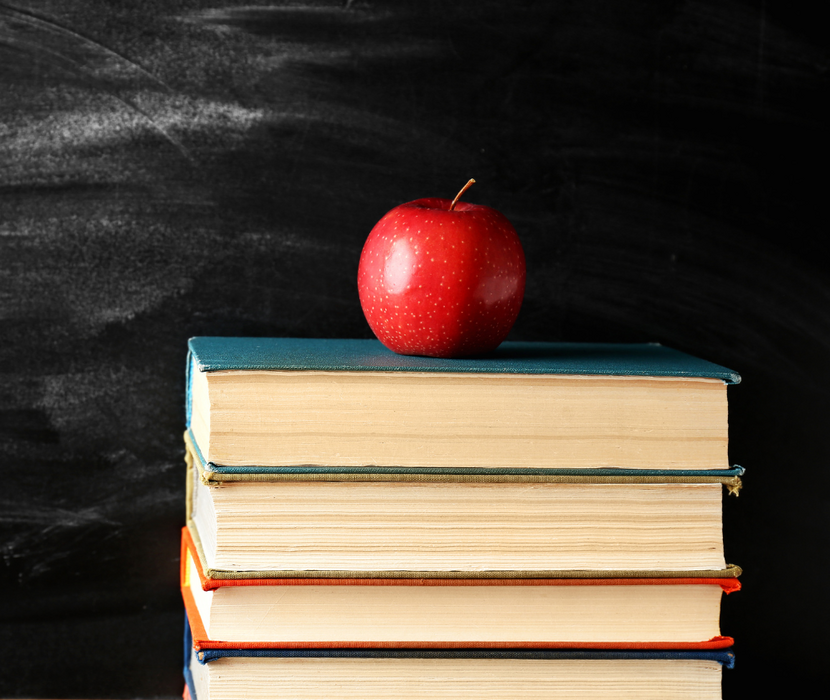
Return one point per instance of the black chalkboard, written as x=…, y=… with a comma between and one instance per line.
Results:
x=171, y=168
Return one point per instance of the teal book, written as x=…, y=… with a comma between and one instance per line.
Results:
x=349, y=674
x=266, y=406
x=305, y=522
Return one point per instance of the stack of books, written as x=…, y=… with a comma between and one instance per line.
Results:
x=542, y=522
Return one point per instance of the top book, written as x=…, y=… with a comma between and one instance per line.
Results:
x=276, y=403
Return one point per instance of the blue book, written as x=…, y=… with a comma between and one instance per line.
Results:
x=347, y=674
x=258, y=406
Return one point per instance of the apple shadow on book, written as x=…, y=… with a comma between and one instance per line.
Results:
x=642, y=359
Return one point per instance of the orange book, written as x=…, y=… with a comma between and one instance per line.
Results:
x=451, y=613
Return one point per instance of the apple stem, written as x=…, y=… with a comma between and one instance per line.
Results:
x=463, y=190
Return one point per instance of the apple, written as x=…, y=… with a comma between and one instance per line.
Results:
x=442, y=278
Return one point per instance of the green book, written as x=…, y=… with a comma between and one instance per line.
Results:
x=371, y=524
x=254, y=404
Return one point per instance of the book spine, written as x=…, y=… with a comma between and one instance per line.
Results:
x=189, y=690
x=188, y=397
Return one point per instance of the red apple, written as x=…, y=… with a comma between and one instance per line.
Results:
x=442, y=278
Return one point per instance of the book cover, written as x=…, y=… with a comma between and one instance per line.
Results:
x=211, y=354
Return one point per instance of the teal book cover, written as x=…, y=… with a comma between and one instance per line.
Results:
x=613, y=359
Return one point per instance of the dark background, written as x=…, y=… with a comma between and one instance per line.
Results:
x=171, y=168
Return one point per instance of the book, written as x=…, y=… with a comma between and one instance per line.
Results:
x=416, y=523
x=260, y=403
x=299, y=612
x=367, y=674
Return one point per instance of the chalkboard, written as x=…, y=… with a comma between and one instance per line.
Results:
x=171, y=168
